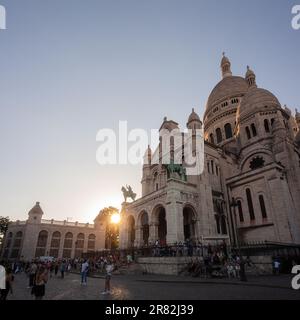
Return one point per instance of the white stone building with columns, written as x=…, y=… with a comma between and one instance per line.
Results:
x=37, y=237
x=250, y=186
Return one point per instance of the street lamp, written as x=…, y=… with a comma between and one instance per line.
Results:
x=243, y=277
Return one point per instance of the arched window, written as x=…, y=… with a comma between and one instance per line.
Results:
x=240, y=210
x=18, y=239
x=55, y=243
x=262, y=206
x=212, y=167
x=248, y=133
x=253, y=130
x=41, y=244
x=91, y=242
x=250, y=204
x=79, y=245
x=219, y=135
x=42, y=239
x=16, y=245
x=211, y=138
x=228, y=131
x=80, y=241
x=266, y=124
x=68, y=244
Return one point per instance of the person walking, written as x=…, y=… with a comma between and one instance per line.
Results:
x=62, y=269
x=109, y=270
x=276, y=267
x=32, y=272
x=41, y=279
x=56, y=269
x=8, y=285
x=84, y=271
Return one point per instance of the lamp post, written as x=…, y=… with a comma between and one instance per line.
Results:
x=243, y=277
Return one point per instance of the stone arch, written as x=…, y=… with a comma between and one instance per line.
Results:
x=189, y=222
x=267, y=156
x=159, y=219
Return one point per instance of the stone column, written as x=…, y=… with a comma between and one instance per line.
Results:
x=174, y=216
x=153, y=232
x=85, y=243
x=138, y=236
x=49, y=239
x=61, y=245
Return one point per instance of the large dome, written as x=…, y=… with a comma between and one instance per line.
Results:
x=228, y=87
x=257, y=99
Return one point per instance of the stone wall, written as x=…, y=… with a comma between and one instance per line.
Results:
x=174, y=265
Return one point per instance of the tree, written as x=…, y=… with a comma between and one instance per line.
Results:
x=112, y=229
x=4, y=221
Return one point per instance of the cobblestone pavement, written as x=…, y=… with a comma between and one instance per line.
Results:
x=149, y=287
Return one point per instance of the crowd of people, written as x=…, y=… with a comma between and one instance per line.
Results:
x=40, y=271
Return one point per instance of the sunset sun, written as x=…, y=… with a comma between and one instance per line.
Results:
x=115, y=218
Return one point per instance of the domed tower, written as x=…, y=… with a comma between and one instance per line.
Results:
x=256, y=113
x=221, y=107
x=35, y=214
x=194, y=121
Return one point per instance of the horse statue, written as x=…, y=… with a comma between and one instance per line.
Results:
x=128, y=193
x=173, y=168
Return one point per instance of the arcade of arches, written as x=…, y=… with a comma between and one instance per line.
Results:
x=147, y=228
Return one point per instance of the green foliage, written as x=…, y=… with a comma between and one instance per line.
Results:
x=4, y=221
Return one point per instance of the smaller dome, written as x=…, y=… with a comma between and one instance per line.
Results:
x=193, y=116
x=224, y=60
x=36, y=209
x=255, y=100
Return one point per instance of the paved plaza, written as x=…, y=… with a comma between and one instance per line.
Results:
x=150, y=287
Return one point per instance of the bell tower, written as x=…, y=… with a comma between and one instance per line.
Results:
x=35, y=214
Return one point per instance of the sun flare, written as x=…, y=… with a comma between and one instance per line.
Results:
x=115, y=218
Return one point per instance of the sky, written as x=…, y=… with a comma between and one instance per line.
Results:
x=72, y=67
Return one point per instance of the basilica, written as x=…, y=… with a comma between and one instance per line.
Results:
x=249, y=189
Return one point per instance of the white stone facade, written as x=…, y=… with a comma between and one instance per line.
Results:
x=251, y=183
x=37, y=237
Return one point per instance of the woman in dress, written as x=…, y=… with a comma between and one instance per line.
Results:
x=41, y=279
